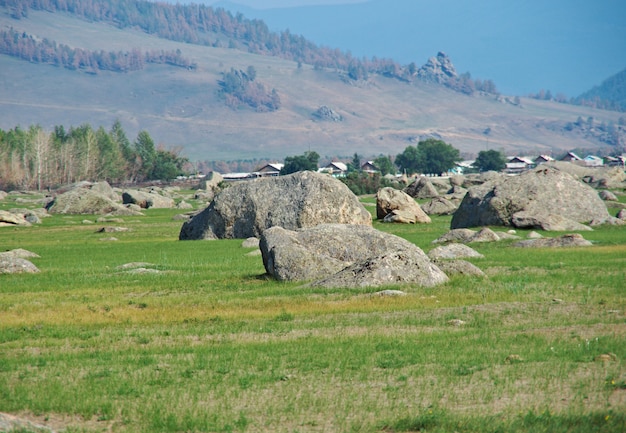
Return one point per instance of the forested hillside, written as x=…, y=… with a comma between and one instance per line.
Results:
x=611, y=94
x=229, y=97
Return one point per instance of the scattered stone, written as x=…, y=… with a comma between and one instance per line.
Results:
x=485, y=235
x=389, y=293
x=10, y=219
x=534, y=235
x=11, y=423
x=21, y=253
x=133, y=265
x=453, y=251
x=184, y=205
x=569, y=240
x=456, y=322
x=622, y=214
x=87, y=222
x=111, y=239
x=86, y=201
x=393, y=205
x=250, y=243
x=459, y=267
x=456, y=235
x=512, y=359
x=557, y=301
x=254, y=253
x=113, y=230
x=303, y=199
x=182, y=216
x=109, y=220
x=3, y=195
x=440, y=206
x=143, y=271
x=607, y=357
x=146, y=200
x=10, y=264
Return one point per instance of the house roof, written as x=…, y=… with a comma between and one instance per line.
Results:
x=571, y=155
x=272, y=166
x=521, y=159
x=545, y=158
x=337, y=165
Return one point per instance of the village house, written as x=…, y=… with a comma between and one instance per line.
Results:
x=335, y=168
x=571, y=157
x=518, y=164
x=271, y=169
x=593, y=161
x=542, y=159
x=369, y=167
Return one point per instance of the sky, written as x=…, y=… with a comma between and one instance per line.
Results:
x=268, y=4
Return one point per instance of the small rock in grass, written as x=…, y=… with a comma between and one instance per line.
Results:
x=133, y=265
x=111, y=239
x=512, y=359
x=607, y=357
x=456, y=322
x=390, y=293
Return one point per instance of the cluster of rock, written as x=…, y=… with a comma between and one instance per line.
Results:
x=22, y=217
x=313, y=228
x=101, y=199
x=437, y=69
x=327, y=114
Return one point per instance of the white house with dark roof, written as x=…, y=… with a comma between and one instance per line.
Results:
x=271, y=169
x=335, y=168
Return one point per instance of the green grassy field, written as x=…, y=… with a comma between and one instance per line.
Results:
x=211, y=344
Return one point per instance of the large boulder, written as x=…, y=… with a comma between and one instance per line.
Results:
x=422, y=188
x=368, y=255
x=86, y=201
x=393, y=205
x=303, y=199
x=147, y=200
x=542, y=192
x=569, y=240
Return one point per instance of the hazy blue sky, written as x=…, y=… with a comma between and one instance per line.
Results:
x=266, y=4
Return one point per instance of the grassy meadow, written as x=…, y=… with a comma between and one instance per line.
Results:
x=209, y=344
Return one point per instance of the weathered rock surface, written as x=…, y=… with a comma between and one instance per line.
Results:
x=11, y=264
x=608, y=196
x=393, y=205
x=441, y=206
x=569, y=240
x=3, y=195
x=459, y=267
x=20, y=253
x=394, y=267
x=543, y=191
x=621, y=214
x=86, y=201
x=147, y=200
x=421, y=188
x=453, y=251
x=12, y=219
x=363, y=255
x=438, y=69
x=467, y=236
x=250, y=243
x=548, y=222
x=303, y=199
x=327, y=114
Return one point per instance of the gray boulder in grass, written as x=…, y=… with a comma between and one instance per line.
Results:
x=340, y=255
x=526, y=200
x=303, y=199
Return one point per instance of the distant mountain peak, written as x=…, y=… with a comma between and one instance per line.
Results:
x=438, y=69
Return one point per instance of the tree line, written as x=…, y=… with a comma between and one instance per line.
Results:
x=26, y=47
x=204, y=25
x=35, y=159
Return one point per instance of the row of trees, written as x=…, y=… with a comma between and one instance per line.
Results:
x=26, y=47
x=240, y=88
x=201, y=24
x=35, y=159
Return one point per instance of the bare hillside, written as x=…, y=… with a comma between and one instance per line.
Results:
x=181, y=107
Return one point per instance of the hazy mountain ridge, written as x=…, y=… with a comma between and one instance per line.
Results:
x=566, y=46
x=612, y=89
x=181, y=107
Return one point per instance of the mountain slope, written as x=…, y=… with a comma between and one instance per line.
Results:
x=182, y=107
x=612, y=89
